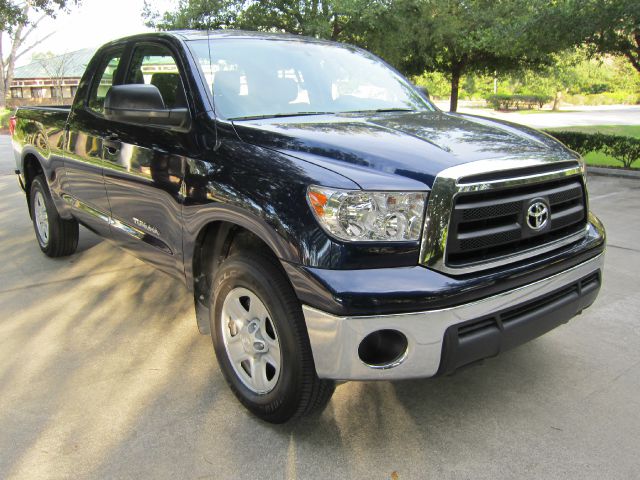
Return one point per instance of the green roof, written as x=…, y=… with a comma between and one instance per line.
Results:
x=68, y=65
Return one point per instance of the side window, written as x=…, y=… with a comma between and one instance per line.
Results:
x=155, y=65
x=103, y=81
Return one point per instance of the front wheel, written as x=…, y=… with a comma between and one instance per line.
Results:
x=261, y=341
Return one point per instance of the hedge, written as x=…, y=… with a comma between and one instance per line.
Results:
x=5, y=115
x=623, y=149
x=506, y=102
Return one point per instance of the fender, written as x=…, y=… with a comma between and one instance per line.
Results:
x=45, y=142
x=53, y=168
x=198, y=217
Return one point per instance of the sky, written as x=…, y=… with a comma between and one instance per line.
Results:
x=93, y=23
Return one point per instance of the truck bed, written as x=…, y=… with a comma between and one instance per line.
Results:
x=46, y=118
x=55, y=108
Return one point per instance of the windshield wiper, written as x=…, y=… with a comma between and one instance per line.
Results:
x=278, y=115
x=382, y=110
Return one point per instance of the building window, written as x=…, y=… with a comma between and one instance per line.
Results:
x=41, y=92
x=16, y=92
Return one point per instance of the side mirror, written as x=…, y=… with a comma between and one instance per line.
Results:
x=143, y=105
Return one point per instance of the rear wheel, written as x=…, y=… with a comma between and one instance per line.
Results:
x=56, y=236
x=261, y=342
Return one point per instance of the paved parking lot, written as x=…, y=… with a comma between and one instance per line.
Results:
x=569, y=115
x=104, y=375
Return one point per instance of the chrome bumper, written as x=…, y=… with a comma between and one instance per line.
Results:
x=335, y=340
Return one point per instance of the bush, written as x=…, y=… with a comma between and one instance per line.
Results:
x=606, y=98
x=5, y=115
x=506, y=102
x=623, y=149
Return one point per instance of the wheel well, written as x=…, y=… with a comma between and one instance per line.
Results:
x=32, y=168
x=216, y=242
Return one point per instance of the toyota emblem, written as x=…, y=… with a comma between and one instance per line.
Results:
x=537, y=215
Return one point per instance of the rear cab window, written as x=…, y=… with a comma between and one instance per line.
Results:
x=105, y=78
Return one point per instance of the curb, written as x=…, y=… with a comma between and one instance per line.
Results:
x=613, y=172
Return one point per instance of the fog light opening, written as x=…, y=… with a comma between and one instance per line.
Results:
x=383, y=349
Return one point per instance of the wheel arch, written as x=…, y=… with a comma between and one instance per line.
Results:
x=31, y=168
x=216, y=237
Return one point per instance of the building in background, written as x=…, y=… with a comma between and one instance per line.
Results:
x=49, y=81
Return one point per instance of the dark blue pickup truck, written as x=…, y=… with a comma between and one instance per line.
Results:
x=330, y=221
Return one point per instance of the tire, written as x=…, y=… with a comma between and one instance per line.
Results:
x=275, y=320
x=56, y=236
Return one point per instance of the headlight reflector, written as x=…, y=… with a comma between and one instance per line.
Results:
x=357, y=215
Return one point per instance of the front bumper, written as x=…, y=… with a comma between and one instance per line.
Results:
x=442, y=340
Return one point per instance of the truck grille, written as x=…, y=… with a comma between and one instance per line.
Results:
x=488, y=225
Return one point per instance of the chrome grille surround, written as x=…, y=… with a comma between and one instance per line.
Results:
x=490, y=175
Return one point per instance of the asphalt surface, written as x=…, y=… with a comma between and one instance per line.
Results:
x=568, y=116
x=104, y=375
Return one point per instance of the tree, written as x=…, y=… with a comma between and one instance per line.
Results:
x=558, y=78
x=610, y=26
x=16, y=22
x=459, y=37
x=56, y=67
x=454, y=37
x=194, y=14
x=343, y=20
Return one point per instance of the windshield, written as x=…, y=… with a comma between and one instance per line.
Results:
x=252, y=78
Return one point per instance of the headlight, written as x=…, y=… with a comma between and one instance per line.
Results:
x=356, y=215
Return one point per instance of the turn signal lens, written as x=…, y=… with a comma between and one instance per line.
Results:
x=317, y=200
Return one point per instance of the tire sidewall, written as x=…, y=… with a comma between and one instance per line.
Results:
x=38, y=186
x=254, y=275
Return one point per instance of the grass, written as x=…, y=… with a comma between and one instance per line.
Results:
x=623, y=130
x=599, y=159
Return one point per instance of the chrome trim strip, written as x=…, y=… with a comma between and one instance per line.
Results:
x=80, y=205
x=335, y=340
x=393, y=364
x=123, y=227
x=448, y=185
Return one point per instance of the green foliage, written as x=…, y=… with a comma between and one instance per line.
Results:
x=609, y=26
x=577, y=77
x=532, y=45
x=13, y=12
x=344, y=20
x=460, y=38
x=620, y=130
x=624, y=149
x=507, y=102
x=436, y=84
x=606, y=98
x=451, y=37
x=5, y=115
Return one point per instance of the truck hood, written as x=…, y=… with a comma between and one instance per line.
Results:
x=398, y=150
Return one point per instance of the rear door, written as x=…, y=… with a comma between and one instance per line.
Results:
x=144, y=166
x=84, y=183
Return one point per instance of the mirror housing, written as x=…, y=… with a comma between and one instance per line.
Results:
x=142, y=105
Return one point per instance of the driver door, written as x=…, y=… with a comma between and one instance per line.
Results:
x=144, y=167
